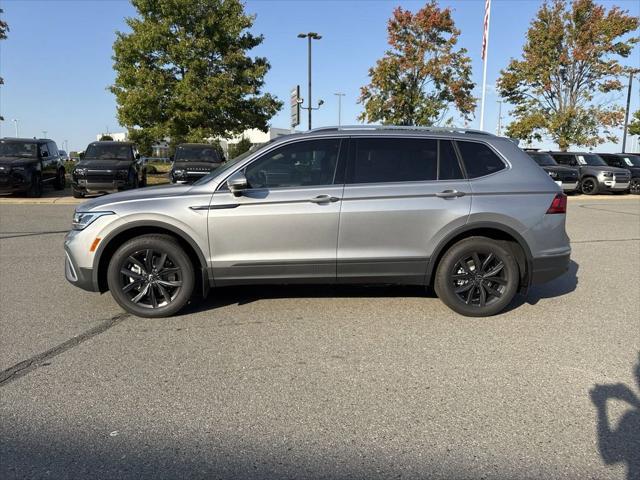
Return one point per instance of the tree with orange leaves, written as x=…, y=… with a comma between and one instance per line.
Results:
x=422, y=75
x=570, y=62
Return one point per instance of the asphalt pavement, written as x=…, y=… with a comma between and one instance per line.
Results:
x=322, y=382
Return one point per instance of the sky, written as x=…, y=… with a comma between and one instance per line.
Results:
x=57, y=63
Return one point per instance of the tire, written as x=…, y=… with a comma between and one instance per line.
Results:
x=144, y=181
x=35, y=190
x=145, y=290
x=634, y=186
x=481, y=295
x=60, y=181
x=77, y=193
x=589, y=186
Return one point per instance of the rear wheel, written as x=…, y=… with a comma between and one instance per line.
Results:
x=151, y=276
x=634, y=187
x=35, y=189
x=477, y=277
x=589, y=186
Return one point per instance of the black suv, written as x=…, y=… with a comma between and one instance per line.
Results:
x=568, y=178
x=193, y=161
x=595, y=175
x=27, y=164
x=628, y=161
x=108, y=167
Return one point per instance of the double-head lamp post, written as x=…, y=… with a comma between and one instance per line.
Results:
x=310, y=36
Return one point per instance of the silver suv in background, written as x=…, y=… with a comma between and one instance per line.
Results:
x=464, y=211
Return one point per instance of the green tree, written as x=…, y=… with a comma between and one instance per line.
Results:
x=183, y=72
x=570, y=62
x=634, y=124
x=242, y=146
x=423, y=74
x=4, y=28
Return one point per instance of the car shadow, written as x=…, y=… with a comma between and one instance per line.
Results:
x=619, y=443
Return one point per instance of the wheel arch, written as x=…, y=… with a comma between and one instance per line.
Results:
x=112, y=242
x=495, y=231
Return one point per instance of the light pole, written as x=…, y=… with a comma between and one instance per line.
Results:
x=15, y=124
x=339, y=95
x=44, y=134
x=310, y=36
x=626, y=114
x=499, y=117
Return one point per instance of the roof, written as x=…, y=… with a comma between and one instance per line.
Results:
x=17, y=139
x=203, y=145
x=111, y=142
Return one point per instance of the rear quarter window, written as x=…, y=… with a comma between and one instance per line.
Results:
x=479, y=160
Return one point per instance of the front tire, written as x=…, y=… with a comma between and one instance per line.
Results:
x=477, y=277
x=634, y=187
x=77, y=193
x=151, y=276
x=589, y=186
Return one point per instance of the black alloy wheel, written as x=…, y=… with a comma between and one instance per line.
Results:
x=634, y=187
x=151, y=276
x=589, y=186
x=478, y=276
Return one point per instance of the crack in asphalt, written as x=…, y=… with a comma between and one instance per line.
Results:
x=607, y=240
x=29, y=234
x=26, y=366
x=592, y=205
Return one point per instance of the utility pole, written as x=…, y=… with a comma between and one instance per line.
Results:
x=310, y=36
x=44, y=134
x=626, y=113
x=339, y=95
x=15, y=124
x=499, y=129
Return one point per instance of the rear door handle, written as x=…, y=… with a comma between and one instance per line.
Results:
x=324, y=199
x=450, y=194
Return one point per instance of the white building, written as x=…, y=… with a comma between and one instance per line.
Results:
x=117, y=137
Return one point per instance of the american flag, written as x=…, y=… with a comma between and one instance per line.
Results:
x=485, y=32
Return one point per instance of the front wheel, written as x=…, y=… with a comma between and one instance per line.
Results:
x=634, y=187
x=477, y=277
x=151, y=276
x=589, y=186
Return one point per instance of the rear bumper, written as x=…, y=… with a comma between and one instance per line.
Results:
x=544, y=269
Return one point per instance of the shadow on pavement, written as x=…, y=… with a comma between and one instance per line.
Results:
x=562, y=285
x=619, y=443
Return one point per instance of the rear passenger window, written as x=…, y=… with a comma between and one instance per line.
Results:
x=380, y=160
x=449, y=168
x=479, y=160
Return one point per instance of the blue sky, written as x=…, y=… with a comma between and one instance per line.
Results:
x=57, y=60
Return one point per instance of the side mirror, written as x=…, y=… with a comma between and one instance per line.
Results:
x=171, y=158
x=237, y=183
x=81, y=155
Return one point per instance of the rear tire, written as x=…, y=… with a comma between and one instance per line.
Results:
x=477, y=277
x=589, y=186
x=151, y=276
x=35, y=190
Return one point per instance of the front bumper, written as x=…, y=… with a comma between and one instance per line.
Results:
x=14, y=182
x=103, y=186
x=547, y=268
x=80, y=277
x=188, y=178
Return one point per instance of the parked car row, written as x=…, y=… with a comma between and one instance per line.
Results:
x=590, y=173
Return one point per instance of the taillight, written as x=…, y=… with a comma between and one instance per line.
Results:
x=559, y=204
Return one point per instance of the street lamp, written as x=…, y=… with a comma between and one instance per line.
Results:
x=339, y=95
x=310, y=36
x=499, y=117
x=15, y=124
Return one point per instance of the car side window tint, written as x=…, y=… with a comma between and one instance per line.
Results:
x=44, y=148
x=479, y=160
x=448, y=167
x=564, y=159
x=299, y=164
x=53, y=150
x=380, y=160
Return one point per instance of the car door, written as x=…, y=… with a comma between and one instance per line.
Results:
x=399, y=194
x=45, y=159
x=284, y=227
x=53, y=159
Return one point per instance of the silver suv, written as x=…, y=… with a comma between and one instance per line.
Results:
x=464, y=211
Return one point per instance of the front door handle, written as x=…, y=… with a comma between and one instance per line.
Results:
x=324, y=199
x=450, y=194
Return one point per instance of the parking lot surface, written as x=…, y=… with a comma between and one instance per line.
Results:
x=321, y=382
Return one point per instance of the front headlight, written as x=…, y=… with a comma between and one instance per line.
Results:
x=178, y=173
x=82, y=220
x=80, y=172
x=122, y=174
x=553, y=174
x=607, y=174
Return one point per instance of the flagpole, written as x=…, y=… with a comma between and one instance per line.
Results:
x=485, y=52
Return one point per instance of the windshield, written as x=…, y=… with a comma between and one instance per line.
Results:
x=543, y=159
x=632, y=160
x=96, y=151
x=231, y=163
x=196, y=154
x=590, y=159
x=18, y=149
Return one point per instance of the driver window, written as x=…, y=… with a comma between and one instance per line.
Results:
x=300, y=164
x=43, y=149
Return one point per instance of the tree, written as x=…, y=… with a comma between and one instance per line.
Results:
x=634, y=124
x=242, y=146
x=422, y=74
x=570, y=62
x=106, y=138
x=183, y=72
x=4, y=28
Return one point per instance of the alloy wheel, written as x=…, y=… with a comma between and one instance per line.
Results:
x=479, y=279
x=635, y=186
x=150, y=278
x=588, y=186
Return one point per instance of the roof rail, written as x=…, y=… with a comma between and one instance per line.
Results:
x=401, y=128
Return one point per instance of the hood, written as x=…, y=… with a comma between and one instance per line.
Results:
x=137, y=194
x=606, y=169
x=178, y=165
x=105, y=164
x=16, y=161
